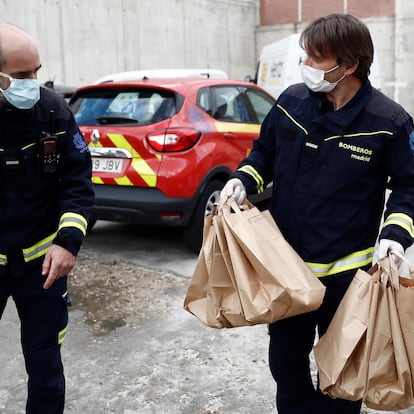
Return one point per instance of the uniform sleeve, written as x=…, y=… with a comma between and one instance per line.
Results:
x=76, y=190
x=256, y=171
x=399, y=213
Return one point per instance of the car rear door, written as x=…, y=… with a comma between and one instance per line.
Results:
x=236, y=116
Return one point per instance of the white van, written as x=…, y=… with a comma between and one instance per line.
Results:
x=163, y=73
x=279, y=66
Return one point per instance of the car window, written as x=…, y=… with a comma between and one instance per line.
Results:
x=261, y=103
x=130, y=106
x=230, y=104
x=204, y=100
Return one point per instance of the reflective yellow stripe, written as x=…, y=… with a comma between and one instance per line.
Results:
x=352, y=261
x=248, y=169
x=333, y=137
x=62, y=335
x=39, y=249
x=292, y=119
x=359, y=134
x=73, y=220
x=28, y=146
x=402, y=220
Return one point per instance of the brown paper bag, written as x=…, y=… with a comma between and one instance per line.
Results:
x=212, y=296
x=346, y=337
x=405, y=303
x=232, y=288
x=363, y=354
x=223, y=287
x=198, y=298
x=389, y=385
x=406, y=314
x=272, y=280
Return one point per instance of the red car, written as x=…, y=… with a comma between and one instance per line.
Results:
x=162, y=149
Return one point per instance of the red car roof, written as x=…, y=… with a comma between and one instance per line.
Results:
x=176, y=84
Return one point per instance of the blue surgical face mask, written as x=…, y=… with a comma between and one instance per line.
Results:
x=21, y=93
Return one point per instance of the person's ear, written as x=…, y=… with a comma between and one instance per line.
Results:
x=350, y=68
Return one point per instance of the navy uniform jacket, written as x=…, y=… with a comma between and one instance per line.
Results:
x=38, y=209
x=330, y=171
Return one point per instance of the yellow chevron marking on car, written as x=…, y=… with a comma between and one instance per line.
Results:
x=98, y=144
x=123, y=181
x=236, y=127
x=138, y=163
x=145, y=171
x=97, y=180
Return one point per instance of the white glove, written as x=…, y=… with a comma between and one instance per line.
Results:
x=234, y=188
x=386, y=245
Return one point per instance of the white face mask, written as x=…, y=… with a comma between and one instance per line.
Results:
x=21, y=93
x=315, y=79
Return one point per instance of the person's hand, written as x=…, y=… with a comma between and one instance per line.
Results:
x=58, y=262
x=234, y=188
x=386, y=246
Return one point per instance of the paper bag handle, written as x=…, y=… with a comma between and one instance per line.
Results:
x=389, y=272
x=403, y=258
x=230, y=202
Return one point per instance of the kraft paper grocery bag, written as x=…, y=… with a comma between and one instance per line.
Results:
x=212, y=296
x=363, y=354
x=272, y=280
x=240, y=280
x=346, y=338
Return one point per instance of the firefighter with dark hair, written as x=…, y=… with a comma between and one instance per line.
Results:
x=45, y=197
x=332, y=146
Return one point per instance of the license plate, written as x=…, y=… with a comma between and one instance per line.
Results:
x=101, y=164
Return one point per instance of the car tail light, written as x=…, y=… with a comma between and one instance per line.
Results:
x=173, y=139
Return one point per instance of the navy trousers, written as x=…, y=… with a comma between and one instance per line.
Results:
x=43, y=316
x=291, y=341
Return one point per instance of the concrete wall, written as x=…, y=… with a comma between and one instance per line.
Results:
x=80, y=41
x=403, y=56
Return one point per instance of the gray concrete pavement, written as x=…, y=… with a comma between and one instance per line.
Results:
x=161, y=360
x=132, y=349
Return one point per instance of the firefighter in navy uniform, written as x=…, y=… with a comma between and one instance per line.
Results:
x=329, y=145
x=45, y=197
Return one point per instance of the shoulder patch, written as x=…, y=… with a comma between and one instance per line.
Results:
x=411, y=141
x=80, y=143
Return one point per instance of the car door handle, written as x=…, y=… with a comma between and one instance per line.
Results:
x=229, y=135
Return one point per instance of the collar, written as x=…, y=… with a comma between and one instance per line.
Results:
x=342, y=118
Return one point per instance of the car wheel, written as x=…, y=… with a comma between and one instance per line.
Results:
x=193, y=233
